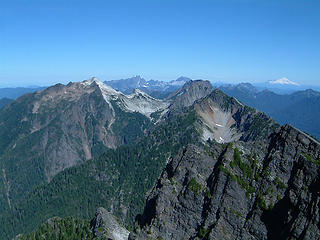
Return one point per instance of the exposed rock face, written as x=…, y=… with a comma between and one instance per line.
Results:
x=43, y=133
x=70, y=120
x=105, y=226
x=189, y=93
x=225, y=119
x=245, y=190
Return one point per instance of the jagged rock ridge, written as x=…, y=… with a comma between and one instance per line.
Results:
x=245, y=190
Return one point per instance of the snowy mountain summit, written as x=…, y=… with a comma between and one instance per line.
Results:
x=283, y=81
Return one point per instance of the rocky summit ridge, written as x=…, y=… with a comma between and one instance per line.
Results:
x=244, y=190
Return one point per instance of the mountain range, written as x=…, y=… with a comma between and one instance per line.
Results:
x=196, y=164
x=155, y=88
x=284, y=86
x=14, y=93
x=5, y=101
x=301, y=108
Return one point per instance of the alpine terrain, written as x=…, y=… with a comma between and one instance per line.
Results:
x=86, y=161
x=300, y=108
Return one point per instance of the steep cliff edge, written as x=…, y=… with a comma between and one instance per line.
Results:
x=244, y=190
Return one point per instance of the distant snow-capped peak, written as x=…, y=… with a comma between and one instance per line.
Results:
x=284, y=81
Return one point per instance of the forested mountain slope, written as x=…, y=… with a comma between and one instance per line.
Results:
x=4, y=102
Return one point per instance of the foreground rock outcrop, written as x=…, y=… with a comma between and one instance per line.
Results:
x=244, y=190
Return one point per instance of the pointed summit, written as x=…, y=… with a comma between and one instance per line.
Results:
x=189, y=93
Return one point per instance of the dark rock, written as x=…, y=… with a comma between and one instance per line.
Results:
x=189, y=93
x=272, y=193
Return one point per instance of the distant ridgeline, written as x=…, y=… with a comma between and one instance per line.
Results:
x=4, y=102
x=14, y=93
x=300, y=109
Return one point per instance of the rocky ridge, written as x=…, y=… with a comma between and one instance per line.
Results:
x=244, y=190
x=189, y=93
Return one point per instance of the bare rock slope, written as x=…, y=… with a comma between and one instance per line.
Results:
x=245, y=190
x=258, y=182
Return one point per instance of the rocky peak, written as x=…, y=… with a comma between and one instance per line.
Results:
x=127, y=85
x=246, y=87
x=245, y=190
x=189, y=93
x=137, y=91
x=180, y=81
x=137, y=78
x=225, y=119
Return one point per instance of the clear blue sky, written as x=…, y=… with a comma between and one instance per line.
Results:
x=47, y=41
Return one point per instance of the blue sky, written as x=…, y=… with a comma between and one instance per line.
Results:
x=43, y=42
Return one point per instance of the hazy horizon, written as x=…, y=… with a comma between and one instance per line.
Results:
x=257, y=84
